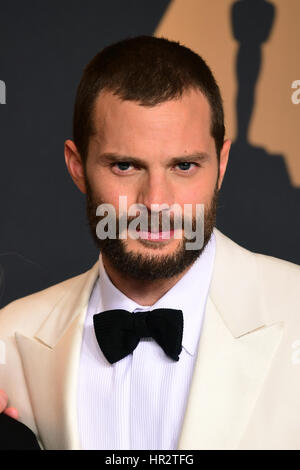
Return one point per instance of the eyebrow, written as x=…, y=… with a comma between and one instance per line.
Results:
x=200, y=157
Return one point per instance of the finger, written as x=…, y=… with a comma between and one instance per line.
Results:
x=3, y=400
x=12, y=412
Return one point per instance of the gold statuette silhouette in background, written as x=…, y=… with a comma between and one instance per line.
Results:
x=225, y=33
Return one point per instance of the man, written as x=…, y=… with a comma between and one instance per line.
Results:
x=149, y=125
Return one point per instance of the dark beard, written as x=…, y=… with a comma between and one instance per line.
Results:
x=143, y=266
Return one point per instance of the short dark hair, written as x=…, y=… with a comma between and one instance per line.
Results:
x=148, y=70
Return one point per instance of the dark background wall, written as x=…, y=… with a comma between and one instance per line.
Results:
x=44, y=236
x=252, y=46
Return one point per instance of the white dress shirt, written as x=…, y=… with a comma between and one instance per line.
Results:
x=139, y=402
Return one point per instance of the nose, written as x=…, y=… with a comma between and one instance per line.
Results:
x=156, y=189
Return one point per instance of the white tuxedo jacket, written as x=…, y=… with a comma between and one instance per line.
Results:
x=245, y=391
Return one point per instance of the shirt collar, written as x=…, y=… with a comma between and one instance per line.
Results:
x=189, y=294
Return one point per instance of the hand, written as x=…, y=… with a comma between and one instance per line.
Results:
x=12, y=412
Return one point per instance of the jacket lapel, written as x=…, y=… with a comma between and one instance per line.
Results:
x=236, y=349
x=50, y=360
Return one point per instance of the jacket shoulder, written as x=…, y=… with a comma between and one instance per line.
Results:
x=280, y=283
x=28, y=312
x=278, y=280
x=275, y=266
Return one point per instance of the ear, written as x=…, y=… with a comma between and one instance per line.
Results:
x=74, y=164
x=224, y=155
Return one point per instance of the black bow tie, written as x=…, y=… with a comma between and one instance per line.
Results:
x=118, y=332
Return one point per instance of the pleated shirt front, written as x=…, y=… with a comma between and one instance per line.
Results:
x=140, y=401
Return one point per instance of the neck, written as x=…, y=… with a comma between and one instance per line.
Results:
x=140, y=291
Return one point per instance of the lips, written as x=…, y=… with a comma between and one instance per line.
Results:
x=157, y=236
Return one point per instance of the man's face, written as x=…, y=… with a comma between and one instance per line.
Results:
x=154, y=136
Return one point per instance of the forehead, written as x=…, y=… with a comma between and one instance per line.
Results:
x=181, y=124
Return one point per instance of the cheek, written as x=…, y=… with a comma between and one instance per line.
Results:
x=108, y=194
x=200, y=192
x=101, y=188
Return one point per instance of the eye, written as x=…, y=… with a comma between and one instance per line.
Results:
x=121, y=166
x=186, y=165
